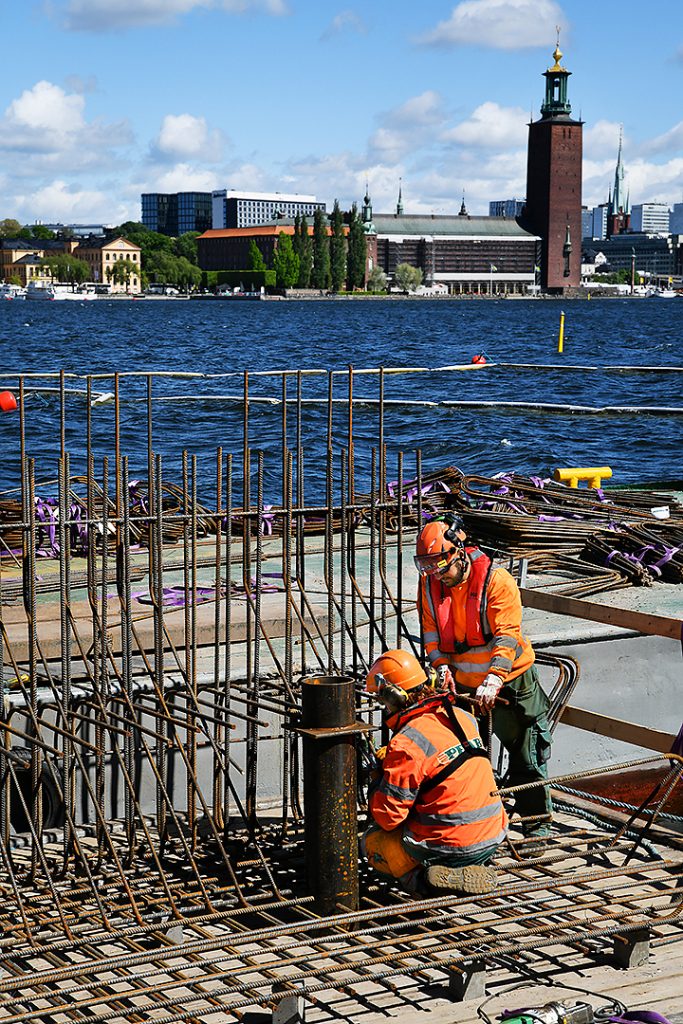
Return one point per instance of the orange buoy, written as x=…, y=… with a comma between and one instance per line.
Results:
x=479, y=358
x=8, y=402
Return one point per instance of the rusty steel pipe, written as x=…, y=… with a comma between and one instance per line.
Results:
x=329, y=730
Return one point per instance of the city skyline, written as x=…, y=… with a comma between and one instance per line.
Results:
x=102, y=102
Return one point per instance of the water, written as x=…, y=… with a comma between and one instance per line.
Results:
x=222, y=337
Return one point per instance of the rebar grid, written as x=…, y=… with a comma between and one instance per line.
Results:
x=150, y=804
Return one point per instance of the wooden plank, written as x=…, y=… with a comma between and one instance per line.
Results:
x=616, y=729
x=624, y=618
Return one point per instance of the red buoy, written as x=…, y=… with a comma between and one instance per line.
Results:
x=479, y=358
x=8, y=402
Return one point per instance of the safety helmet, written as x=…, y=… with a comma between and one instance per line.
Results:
x=396, y=668
x=437, y=543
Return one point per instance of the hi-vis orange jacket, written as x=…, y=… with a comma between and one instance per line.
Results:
x=476, y=627
x=444, y=812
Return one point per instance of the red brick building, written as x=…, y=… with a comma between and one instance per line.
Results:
x=553, y=192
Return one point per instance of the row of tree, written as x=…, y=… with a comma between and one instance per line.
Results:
x=326, y=259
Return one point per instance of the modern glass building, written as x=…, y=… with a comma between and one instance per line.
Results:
x=176, y=212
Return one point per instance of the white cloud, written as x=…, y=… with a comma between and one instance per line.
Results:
x=345, y=21
x=601, y=141
x=183, y=136
x=501, y=24
x=407, y=127
x=184, y=177
x=58, y=201
x=105, y=15
x=490, y=126
x=50, y=125
x=48, y=108
x=667, y=142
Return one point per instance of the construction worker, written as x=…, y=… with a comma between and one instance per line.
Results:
x=471, y=616
x=437, y=822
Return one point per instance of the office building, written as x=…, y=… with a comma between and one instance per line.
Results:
x=651, y=218
x=506, y=208
x=176, y=213
x=235, y=209
x=676, y=219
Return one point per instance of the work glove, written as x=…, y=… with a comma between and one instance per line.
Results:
x=446, y=682
x=488, y=691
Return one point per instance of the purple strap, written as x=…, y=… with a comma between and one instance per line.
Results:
x=267, y=521
x=640, y=1017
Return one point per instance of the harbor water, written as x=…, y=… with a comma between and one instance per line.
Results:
x=228, y=338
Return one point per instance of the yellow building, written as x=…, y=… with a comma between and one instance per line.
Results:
x=102, y=254
x=21, y=259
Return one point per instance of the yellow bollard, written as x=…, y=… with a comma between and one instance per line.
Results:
x=594, y=476
x=560, y=341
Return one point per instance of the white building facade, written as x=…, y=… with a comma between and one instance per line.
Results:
x=651, y=218
x=234, y=209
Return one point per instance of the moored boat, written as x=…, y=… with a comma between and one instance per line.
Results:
x=44, y=292
x=12, y=291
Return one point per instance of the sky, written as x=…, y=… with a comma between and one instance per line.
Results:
x=102, y=100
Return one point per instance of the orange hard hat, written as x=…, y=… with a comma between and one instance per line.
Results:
x=437, y=543
x=398, y=668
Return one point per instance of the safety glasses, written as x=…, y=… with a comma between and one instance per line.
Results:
x=427, y=565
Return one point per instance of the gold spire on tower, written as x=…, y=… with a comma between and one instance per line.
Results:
x=557, y=55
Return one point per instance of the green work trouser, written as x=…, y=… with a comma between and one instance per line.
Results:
x=523, y=729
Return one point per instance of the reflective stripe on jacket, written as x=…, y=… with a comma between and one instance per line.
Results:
x=507, y=653
x=458, y=813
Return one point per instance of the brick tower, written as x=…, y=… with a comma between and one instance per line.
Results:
x=553, y=184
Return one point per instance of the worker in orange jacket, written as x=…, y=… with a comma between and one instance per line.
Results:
x=437, y=819
x=471, y=616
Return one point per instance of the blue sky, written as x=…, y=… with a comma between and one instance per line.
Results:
x=105, y=99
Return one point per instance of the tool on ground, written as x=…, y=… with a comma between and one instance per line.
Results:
x=551, y=1013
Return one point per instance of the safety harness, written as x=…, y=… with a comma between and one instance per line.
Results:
x=470, y=748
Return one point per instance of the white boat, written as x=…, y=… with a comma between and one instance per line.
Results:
x=56, y=292
x=12, y=291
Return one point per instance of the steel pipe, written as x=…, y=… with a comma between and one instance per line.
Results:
x=329, y=730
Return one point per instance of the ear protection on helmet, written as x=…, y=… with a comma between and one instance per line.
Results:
x=455, y=524
x=393, y=696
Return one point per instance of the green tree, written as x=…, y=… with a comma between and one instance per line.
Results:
x=9, y=228
x=357, y=253
x=320, y=275
x=162, y=267
x=377, y=280
x=189, y=275
x=305, y=255
x=121, y=271
x=41, y=232
x=285, y=262
x=255, y=260
x=337, y=249
x=407, y=278
x=67, y=268
x=186, y=246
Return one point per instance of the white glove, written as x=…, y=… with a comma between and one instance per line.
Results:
x=488, y=691
x=445, y=679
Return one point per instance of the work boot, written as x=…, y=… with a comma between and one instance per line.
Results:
x=473, y=878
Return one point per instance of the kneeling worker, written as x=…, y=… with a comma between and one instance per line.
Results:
x=437, y=824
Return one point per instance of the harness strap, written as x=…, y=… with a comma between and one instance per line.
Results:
x=452, y=766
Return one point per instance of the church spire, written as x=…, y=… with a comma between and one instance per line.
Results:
x=620, y=200
x=399, y=204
